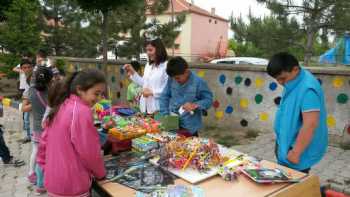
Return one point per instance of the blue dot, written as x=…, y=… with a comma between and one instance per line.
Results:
x=122, y=71
x=273, y=86
x=222, y=79
x=229, y=109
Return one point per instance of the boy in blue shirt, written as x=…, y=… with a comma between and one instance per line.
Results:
x=300, y=123
x=185, y=94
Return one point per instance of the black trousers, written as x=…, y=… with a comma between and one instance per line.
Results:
x=4, y=151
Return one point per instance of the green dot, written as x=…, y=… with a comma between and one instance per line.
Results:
x=342, y=98
x=113, y=79
x=259, y=98
x=238, y=80
x=99, y=66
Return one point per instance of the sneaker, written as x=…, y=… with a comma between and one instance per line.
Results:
x=39, y=191
x=32, y=178
x=15, y=162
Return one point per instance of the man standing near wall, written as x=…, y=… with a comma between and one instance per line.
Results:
x=300, y=123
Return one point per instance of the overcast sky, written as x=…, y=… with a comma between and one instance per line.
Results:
x=224, y=8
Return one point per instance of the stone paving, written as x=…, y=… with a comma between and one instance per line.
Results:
x=333, y=170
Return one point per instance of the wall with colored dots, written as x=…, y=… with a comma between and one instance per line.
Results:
x=245, y=97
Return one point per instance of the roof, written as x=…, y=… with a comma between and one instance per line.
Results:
x=184, y=6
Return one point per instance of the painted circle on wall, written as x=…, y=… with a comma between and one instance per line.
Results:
x=331, y=122
x=247, y=82
x=244, y=123
x=273, y=86
x=259, y=98
x=229, y=91
x=118, y=95
x=204, y=112
x=263, y=116
x=216, y=104
x=244, y=103
x=229, y=109
x=121, y=85
x=219, y=114
x=277, y=100
x=342, y=98
x=259, y=82
x=222, y=79
x=113, y=79
x=338, y=82
x=238, y=80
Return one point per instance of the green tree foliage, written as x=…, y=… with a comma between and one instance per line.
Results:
x=69, y=30
x=317, y=15
x=262, y=37
x=20, y=34
x=135, y=23
x=104, y=7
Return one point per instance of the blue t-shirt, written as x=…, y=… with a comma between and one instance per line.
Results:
x=311, y=102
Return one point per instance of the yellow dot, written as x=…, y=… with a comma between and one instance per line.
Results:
x=219, y=114
x=6, y=102
x=71, y=67
x=264, y=116
x=259, y=82
x=126, y=82
x=338, y=82
x=331, y=122
x=244, y=103
x=201, y=73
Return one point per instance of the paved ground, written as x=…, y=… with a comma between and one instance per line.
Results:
x=333, y=170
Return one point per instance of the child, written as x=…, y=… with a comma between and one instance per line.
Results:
x=37, y=96
x=24, y=69
x=69, y=152
x=186, y=95
x=134, y=90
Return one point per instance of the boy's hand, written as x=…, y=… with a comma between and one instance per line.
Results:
x=293, y=157
x=146, y=92
x=129, y=69
x=190, y=107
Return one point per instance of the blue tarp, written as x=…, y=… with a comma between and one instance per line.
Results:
x=340, y=54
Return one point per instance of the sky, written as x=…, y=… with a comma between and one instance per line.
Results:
x=225, y=8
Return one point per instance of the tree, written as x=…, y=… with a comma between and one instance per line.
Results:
x=4, y=6
x=104, y=7
x=316, y=15
x=21, y=32
x=136, y=24
x=69, y=31
x=262, y=37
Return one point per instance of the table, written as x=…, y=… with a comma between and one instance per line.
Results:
x=216, y=186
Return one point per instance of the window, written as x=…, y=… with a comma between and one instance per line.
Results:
x=210, y=20
x=216, y=22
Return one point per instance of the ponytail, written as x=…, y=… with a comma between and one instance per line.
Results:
x=61, y=90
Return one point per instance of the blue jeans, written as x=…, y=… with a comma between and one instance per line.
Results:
x=26, y=123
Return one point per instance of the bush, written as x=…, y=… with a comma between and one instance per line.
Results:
x=7, y=63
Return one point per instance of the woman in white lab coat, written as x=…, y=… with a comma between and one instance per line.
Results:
x=154, y=78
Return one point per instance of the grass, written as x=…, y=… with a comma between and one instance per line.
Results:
x=221, y=135
x=345, y=146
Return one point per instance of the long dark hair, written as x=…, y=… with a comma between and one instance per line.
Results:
x=61, y=90
x=161, y=54
x=42, y=76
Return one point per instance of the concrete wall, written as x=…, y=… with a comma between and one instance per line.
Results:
x=245, y=96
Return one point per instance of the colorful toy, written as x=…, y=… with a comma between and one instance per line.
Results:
x=197, y=153
x=144, y=144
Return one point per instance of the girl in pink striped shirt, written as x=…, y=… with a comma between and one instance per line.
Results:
x=69, y=152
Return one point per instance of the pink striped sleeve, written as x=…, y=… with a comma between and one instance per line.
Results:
x=85, y=140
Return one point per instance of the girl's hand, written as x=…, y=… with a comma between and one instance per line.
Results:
x=146, y=92
x=129, y=69
x=109, y=124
